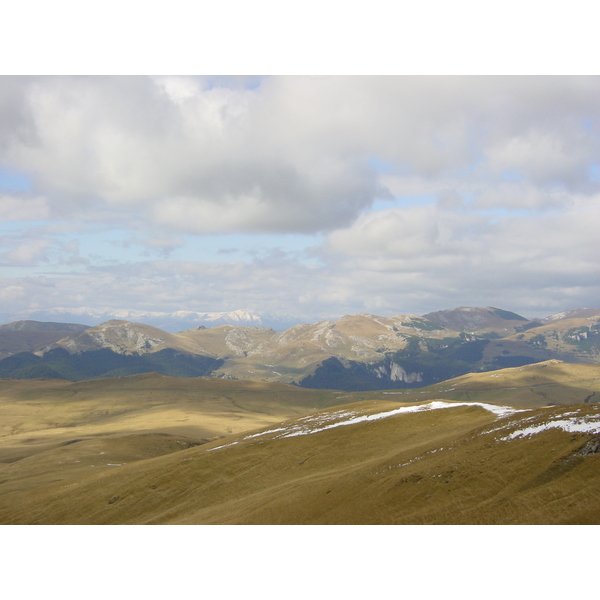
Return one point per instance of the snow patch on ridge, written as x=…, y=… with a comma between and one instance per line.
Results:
x=589, y=424
x=300, y=429
x=323, y=421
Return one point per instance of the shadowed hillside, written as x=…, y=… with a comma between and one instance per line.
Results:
x=31, y=336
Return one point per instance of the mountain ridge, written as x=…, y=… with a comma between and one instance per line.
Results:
x=361, y=351
x=169, y=321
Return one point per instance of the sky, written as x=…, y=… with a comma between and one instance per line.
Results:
x=315, y=196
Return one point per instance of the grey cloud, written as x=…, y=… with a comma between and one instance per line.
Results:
x=528, y=260
x=266, y=285
x=506, y=158
x=412, y=260
x=290, y=154
x=23, y=252
x=23, y=208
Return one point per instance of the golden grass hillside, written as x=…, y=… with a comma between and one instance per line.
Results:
x=547, y=383
x=155, y=449
x=366, y=463
x=130, y=418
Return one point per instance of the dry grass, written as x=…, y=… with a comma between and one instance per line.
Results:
x=542, y=384
x=152, y=449
x=437, y=467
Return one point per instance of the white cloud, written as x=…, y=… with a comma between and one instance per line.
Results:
x=291, y=154
x=27, y=253
x=19, y=208
x=543, y=156
x=12, y=293
x=500, y=164
x=394, y=261
x=465, y=257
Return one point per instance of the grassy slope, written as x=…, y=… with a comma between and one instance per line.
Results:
x=54, y=409
x=37, y=417
x=136, y=458
x=541, y=384
x=446, y=466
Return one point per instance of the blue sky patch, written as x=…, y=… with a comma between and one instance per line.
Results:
x=14, y=181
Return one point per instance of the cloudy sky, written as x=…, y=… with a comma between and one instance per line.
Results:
x=313, y=196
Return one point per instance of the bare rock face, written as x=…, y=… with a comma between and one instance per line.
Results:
x=239, y=341
x=396, y=373
x=119, y=336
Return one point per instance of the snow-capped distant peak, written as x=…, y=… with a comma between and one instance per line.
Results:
x=573, y=313
x=179, y=320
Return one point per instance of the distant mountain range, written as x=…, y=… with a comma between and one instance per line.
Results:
x=169, y=321
x=32, y=336
x=356, y=352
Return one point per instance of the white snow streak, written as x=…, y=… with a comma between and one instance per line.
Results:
x=572, y=425
x=259, y=434
x=500, y=411
x=568, y=422
x=324, y=421
x=224, y=446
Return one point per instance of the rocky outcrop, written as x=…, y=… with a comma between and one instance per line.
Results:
x=394, y=372
x=122, y=337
